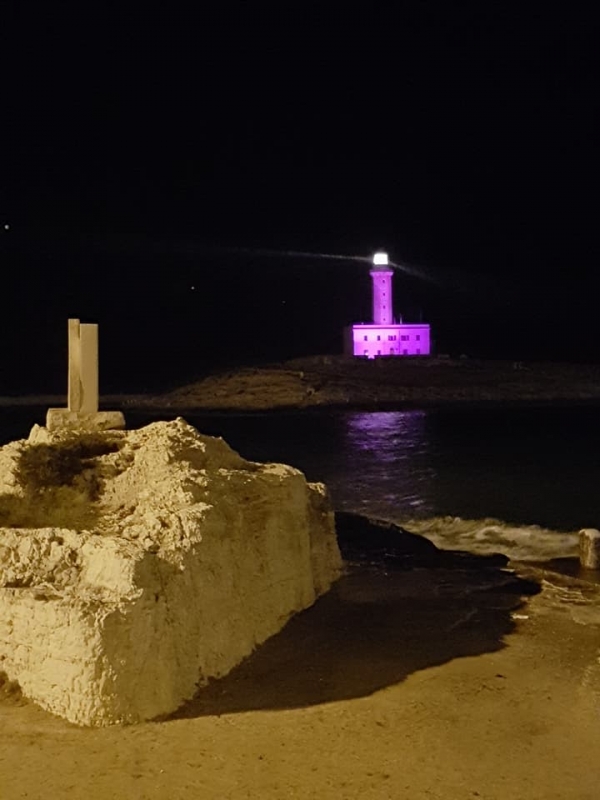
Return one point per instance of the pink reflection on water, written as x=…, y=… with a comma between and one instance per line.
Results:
x=392, y=472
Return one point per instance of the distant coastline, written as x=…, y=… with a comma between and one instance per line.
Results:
x=345, y=382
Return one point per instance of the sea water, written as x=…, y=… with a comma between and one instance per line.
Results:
x=521, y=481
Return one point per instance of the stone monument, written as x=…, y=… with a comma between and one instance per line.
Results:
x=82, y=395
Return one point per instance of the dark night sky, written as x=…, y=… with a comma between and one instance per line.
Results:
x=148, y=140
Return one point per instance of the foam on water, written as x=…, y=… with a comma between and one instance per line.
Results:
x=484, y=536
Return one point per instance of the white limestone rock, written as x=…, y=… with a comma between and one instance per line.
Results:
x=135, y=566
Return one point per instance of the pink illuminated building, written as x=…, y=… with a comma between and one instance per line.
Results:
x=383, y=336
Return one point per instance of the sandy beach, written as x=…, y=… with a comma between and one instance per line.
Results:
x=428, y=683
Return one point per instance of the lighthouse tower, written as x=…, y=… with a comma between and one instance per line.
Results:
x=382, y=290
x=383, y=336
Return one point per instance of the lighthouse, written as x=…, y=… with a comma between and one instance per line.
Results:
x=383, y=336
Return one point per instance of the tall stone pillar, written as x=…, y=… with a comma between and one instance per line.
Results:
x=83, y=367
x=82, y=390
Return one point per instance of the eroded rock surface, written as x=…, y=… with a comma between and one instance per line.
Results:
x=136, y=565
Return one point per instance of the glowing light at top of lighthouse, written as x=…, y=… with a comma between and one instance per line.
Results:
x=380, y=259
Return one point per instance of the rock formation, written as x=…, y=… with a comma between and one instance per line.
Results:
x=137, y=565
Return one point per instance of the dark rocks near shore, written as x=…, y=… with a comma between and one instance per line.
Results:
x=362, y=539
x=384, y=548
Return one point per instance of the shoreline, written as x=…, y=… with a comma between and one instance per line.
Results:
x=155, y=406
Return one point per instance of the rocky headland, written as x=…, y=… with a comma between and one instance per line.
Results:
x=339, y=381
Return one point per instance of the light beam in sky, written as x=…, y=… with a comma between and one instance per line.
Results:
x=408, y=269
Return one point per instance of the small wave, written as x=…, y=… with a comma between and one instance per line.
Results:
x=484, y=536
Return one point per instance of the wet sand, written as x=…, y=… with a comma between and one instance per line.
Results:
x=423, y=683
